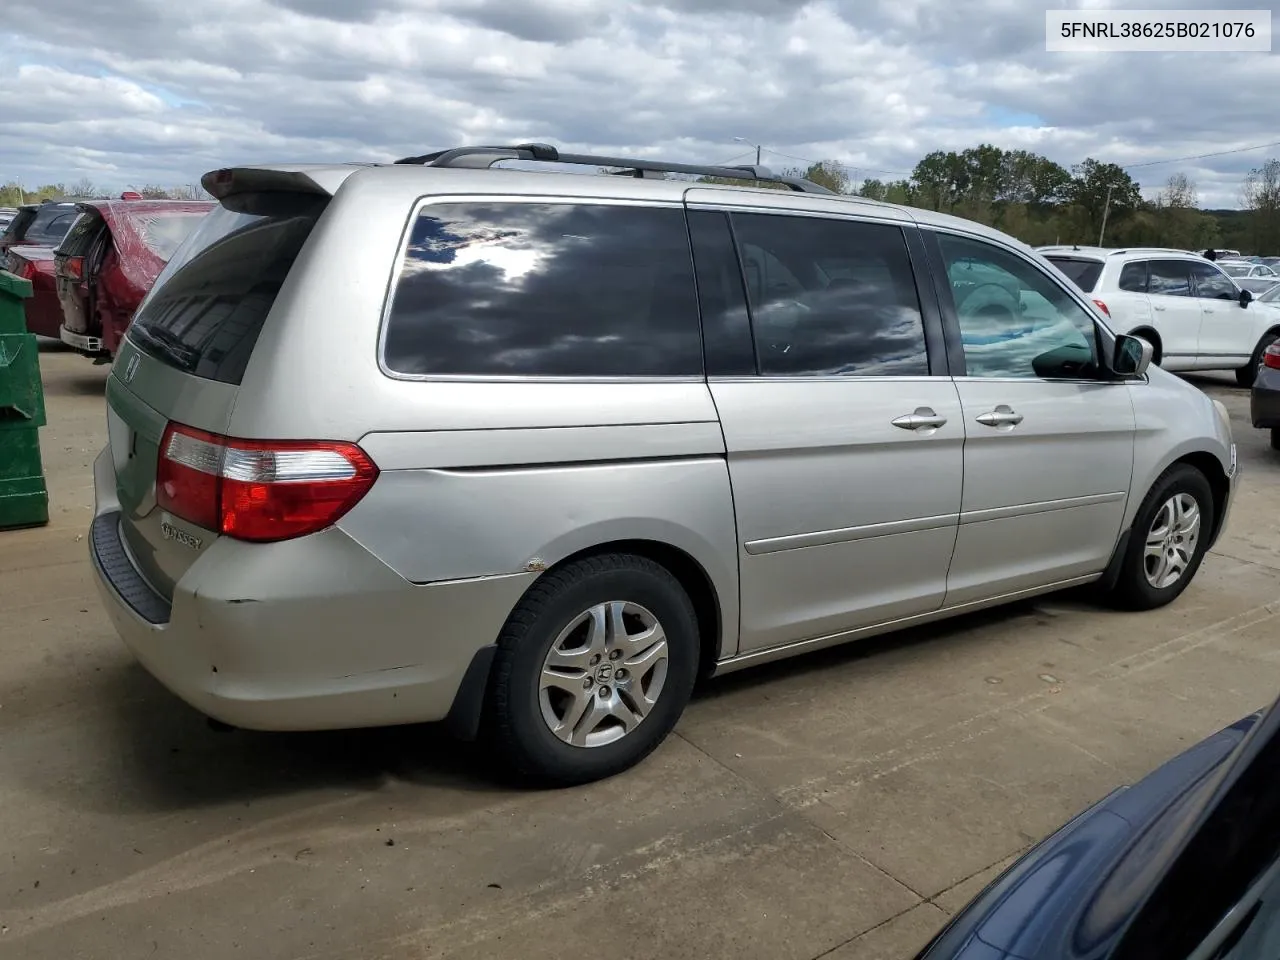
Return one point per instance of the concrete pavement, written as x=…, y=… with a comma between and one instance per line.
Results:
x=841, y=805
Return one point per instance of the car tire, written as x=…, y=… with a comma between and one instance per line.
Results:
x=1149, y=581
x=561, y=711
x=1246, y=375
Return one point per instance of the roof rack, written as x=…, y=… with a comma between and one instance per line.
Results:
x=484, y=157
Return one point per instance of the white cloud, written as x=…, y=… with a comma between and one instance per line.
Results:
x=145, y=90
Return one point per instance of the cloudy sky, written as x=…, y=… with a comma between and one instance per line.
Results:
x=152, y=91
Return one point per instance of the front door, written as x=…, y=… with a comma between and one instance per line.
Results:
x=1175, y=313
x=1048, y=452
x=845, y=453
x=1227, y=338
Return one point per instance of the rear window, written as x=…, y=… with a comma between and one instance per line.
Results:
x=208, y=305
x=1083, y=273
x=50, y=225
x=80, y=237
x=545, y=289
x=164, y=232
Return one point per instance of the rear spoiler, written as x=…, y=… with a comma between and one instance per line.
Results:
x=322, y=179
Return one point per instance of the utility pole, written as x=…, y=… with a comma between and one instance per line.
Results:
x=1105, y=210
x=748, y=143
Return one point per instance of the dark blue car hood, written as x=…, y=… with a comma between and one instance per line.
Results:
x=1072, y=896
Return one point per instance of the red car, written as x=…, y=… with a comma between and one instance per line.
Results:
x=109, y=260
x=35, y=263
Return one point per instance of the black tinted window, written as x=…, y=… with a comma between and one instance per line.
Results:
x=1211, y=283
x=546, y=289
x=830, y=297
x=1170, y=278
x=79, y=239
x=207, y=308
x=1134, y=277
x=1083, y=273
x=51, y=224
x=726, y=329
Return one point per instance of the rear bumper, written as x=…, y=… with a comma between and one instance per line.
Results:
x=309, y=634
x=81, y=341
x=1264, y=399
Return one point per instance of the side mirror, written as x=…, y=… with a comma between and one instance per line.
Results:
x=1132, y=357
x=1246, y=298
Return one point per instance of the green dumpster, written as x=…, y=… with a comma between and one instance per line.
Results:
x=24, y=499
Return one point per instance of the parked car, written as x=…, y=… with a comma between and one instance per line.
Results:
x=1264, y=399
x=529, y=452
x=1195, y=316
x=1272, y=262
x=1239, y=269
x=1185, y=863
x=109, y=260
x=43, y=310
x=6, y=215
x=39, y=224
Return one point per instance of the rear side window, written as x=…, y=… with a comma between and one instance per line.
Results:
x=209, y=304
x=18, y=225
x=830, y=297
x=545, y=289
x=1083, y=273
x=1170, y=278
x=1133, y=277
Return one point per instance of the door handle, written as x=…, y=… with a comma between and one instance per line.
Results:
x=923, y=419
x=1159, y=308
x=1002, y=416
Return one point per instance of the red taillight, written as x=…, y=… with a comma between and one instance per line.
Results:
x=1271, y=356
x=73, y=267
x=259, y=490
x=1102, y=306
x=23, y=268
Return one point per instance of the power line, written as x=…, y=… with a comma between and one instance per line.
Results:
x=1201, y=156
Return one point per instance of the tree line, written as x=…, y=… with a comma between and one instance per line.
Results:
x=13, y=194
x=1040, y=201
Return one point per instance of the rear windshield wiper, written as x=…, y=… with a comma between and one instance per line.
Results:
x=169, y=346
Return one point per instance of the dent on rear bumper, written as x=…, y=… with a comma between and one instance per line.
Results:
x=313, y=634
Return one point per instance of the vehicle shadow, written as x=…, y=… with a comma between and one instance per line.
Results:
x=92, y=382
x=166, y=757
x=135, y=747
x=946, y=632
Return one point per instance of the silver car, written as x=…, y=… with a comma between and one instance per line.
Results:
x=530, y=452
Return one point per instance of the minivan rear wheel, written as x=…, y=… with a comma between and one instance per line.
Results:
x=594, y=667
x=1168, y=540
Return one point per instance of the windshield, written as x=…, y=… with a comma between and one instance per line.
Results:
x=1236, y=269
x=1272, y=295
x=1083, y=273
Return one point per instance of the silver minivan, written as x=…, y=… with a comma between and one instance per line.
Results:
x=530, y=451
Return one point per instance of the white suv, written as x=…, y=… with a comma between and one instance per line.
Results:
x=1194, y=315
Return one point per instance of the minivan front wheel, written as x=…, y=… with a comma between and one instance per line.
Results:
x=1168, y=541
x=594, y=667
